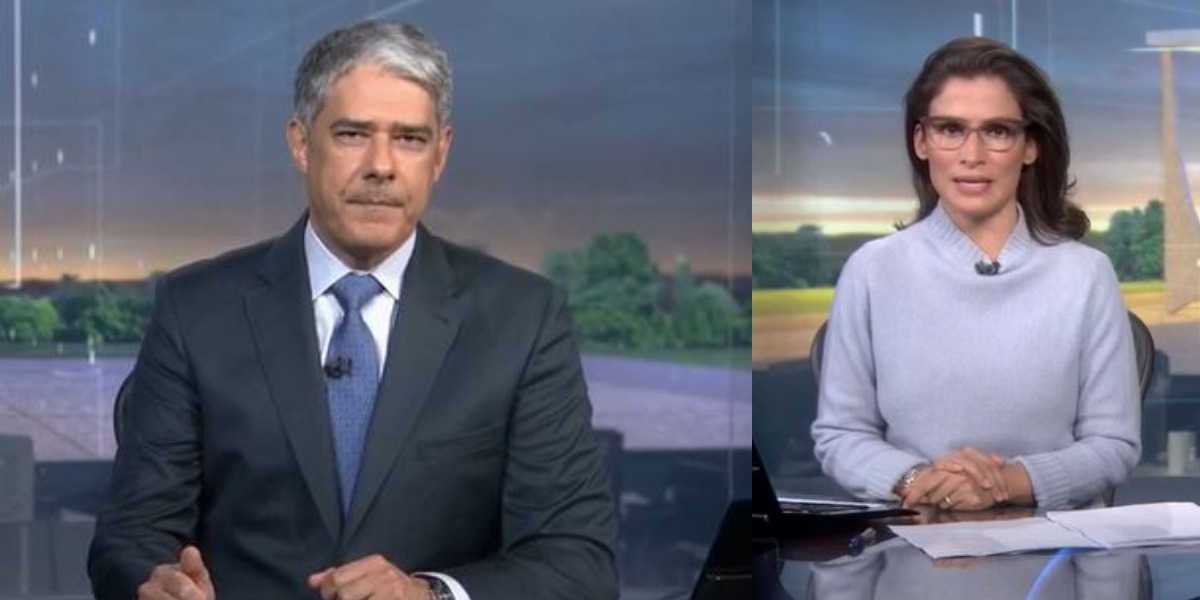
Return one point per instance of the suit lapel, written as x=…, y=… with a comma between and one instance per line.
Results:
x=424, y=328
x=281, y=317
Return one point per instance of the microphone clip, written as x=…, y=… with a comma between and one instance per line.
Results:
x=338, y=367
x=986, y=268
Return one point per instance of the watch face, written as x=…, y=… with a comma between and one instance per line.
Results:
x=438, y=590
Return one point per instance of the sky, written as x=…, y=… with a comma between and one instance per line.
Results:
x=829, y=76
x=152, y=130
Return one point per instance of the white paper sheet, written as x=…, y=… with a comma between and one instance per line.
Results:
x=1120, y=527
x=985, y=538
x=1136, y=524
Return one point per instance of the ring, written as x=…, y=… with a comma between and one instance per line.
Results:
x=948, y=501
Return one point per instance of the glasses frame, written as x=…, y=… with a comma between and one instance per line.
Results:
x=1018, y=125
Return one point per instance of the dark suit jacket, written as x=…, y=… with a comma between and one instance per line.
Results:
x=480, y=461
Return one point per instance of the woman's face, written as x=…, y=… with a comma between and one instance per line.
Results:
x=975, y=144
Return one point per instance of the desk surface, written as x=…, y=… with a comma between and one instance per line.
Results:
x=818, y=568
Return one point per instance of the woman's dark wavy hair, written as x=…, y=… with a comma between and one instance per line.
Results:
x=1045, y=187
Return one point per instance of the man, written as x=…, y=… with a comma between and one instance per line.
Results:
x=359, y=409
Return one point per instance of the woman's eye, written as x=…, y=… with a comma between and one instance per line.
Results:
x=952, y=129
x=999, y=131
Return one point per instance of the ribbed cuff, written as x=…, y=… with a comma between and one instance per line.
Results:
x=1050, y=480
x=887, y=471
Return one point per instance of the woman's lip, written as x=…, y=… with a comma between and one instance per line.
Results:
x=971, y=187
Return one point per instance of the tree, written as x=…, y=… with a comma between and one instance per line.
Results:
x=617, y=303
x=91, y=312
x=1147, y=250
x=794, y=260
x=707, y=318
x=1118, y=242
x=26, y=320
x=1134, y=242
x=612, y=288
x=683, y=284
x=565, y=267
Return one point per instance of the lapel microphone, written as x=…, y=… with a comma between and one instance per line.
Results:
x=338, y=367
x=984, y=267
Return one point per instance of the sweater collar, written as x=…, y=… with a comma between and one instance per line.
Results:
x=963, y=251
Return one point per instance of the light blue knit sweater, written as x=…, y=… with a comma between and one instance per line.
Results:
x=923, y=356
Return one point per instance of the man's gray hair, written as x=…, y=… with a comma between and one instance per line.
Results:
x=398, y=48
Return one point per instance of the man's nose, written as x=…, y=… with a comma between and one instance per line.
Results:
x=380, y=163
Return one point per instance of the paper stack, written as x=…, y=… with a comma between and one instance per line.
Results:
x=1136, y=525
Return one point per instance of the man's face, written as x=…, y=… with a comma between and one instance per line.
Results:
x=370, y=162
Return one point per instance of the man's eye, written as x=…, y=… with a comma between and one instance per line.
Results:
x=411, y=139
x=349, y=135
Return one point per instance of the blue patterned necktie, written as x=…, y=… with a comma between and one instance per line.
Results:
x=352, y=369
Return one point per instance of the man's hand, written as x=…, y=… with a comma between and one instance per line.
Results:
x=187, y=579
x=371, y=577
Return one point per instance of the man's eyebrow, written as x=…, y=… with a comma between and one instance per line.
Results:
x=395, y=128
x=402, y=129
x=351, y=124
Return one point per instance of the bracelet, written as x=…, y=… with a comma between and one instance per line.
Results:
x=909, y=477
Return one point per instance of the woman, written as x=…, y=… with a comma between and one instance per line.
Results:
x=981, y=355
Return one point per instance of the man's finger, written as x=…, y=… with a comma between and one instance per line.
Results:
x=367, y=577
x=178, y=585
x=316, y=579
x=192, y=564
x=324, y=584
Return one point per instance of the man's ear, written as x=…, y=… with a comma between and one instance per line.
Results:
x=443, y=151
x=297, y=141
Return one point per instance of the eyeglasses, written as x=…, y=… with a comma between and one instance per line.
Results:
x=948, y=133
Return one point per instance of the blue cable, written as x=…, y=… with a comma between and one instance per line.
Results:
x=1040, y=580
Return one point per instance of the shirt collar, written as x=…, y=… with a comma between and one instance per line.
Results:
x=325, y=268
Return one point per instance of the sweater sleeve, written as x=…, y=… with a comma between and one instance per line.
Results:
x=848, y=433
x=1108, y=419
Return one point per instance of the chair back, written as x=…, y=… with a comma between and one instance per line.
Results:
x=122, y=400
x=1143, y=345
x=816, y=352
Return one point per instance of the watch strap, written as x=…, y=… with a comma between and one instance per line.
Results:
x=438, y=590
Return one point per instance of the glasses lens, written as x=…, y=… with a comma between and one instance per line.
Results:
x=951, y=134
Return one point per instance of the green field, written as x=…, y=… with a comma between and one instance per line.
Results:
x=777, y=303
x=1141, y=287
x=780, y=303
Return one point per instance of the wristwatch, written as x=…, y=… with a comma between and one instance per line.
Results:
x=438, y=590
x=909, y=477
